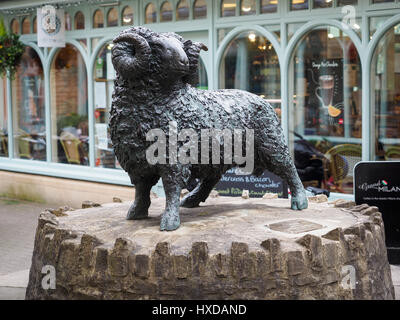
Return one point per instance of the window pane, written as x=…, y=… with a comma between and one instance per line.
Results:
x=269, y=6
x=3, y=118
x=68, y=22
x=347, y=2
x=248, y=7
x=151, y=14
x=127, y=16
x=15, y=26
x=112, y=18
x=322, y=4
x=79, y=21
x=98, y=19
x=28, y=108
x=228, y=8
x=325, y=109
x=34, y=25
x=104, y=75
x=298, y=5
x=26, y=26
x=385, y=84
x=166, y=12
x=382, y=1
x=375, y=23
x=203, y=79
x=69, y=107
x=182, y=12
x=200, y=9
x=250, y=63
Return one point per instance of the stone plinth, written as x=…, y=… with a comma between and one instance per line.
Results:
x=230, y=248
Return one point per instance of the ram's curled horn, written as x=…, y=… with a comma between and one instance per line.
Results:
x=125, y=61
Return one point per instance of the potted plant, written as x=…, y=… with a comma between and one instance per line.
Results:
x=11, y=50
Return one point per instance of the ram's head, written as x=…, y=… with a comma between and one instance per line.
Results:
x=140, y=53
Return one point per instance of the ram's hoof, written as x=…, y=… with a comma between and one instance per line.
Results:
x=136, y=213
x=169, y=222
x=188, y=202
x=299, y=202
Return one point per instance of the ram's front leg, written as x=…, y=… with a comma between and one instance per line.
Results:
x=170, y=218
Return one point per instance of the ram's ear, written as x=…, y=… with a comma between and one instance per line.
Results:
x=192, y=50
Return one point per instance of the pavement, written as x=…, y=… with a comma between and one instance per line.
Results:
x=18, y=221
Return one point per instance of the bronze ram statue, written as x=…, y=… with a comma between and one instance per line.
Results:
x=154, y=89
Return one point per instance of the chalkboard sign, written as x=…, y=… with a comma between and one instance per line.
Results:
x=232, y=185
x=378, y=184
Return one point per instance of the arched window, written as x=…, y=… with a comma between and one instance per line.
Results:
x=26, y=26
x=268, y=6
x=166, y=12
x=68, y=22
x=69, y=107
x=15, y=26
x=250, y=63
x=182, y=10
x=247, y=7
x=112, y=18
x=228, y=8
x=79, y=21
x=98, y=19
x=200, y=9
x=127, y=16
x=28, y=108
x=325, y=107
x=35, y=25
x=385, y=95
x=104, y=75
x=150, y=14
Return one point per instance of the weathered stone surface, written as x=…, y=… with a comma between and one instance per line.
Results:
x=90, y=204
x=225, y=249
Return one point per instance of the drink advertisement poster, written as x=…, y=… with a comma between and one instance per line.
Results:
x=232, y=185
x=50, y=27
x=325, y=83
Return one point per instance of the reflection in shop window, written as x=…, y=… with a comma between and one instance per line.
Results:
x=166, y=12
x=325, y=109
x=69, y=107
x=341, y=3
x=385, y=97
x=269, y=6
x=79, y=21
x=298, y=5
x=127, y=16
x=322, y=4
x=228, y=8
x=150, y=14
x=68, y=22
x=202, y=82
x=200, y=9
x=98, y=19
x=247, y=7
x=3, y=119
x=15, y=26
x=112, y=18
x=28, y=109
x=104, y=76
x=182, y=10
x=26, y=26
x=251, y=63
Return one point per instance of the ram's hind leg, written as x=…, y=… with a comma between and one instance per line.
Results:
x=140, y=207
x=200, y=193
x=281, y=164
x=170, y=219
